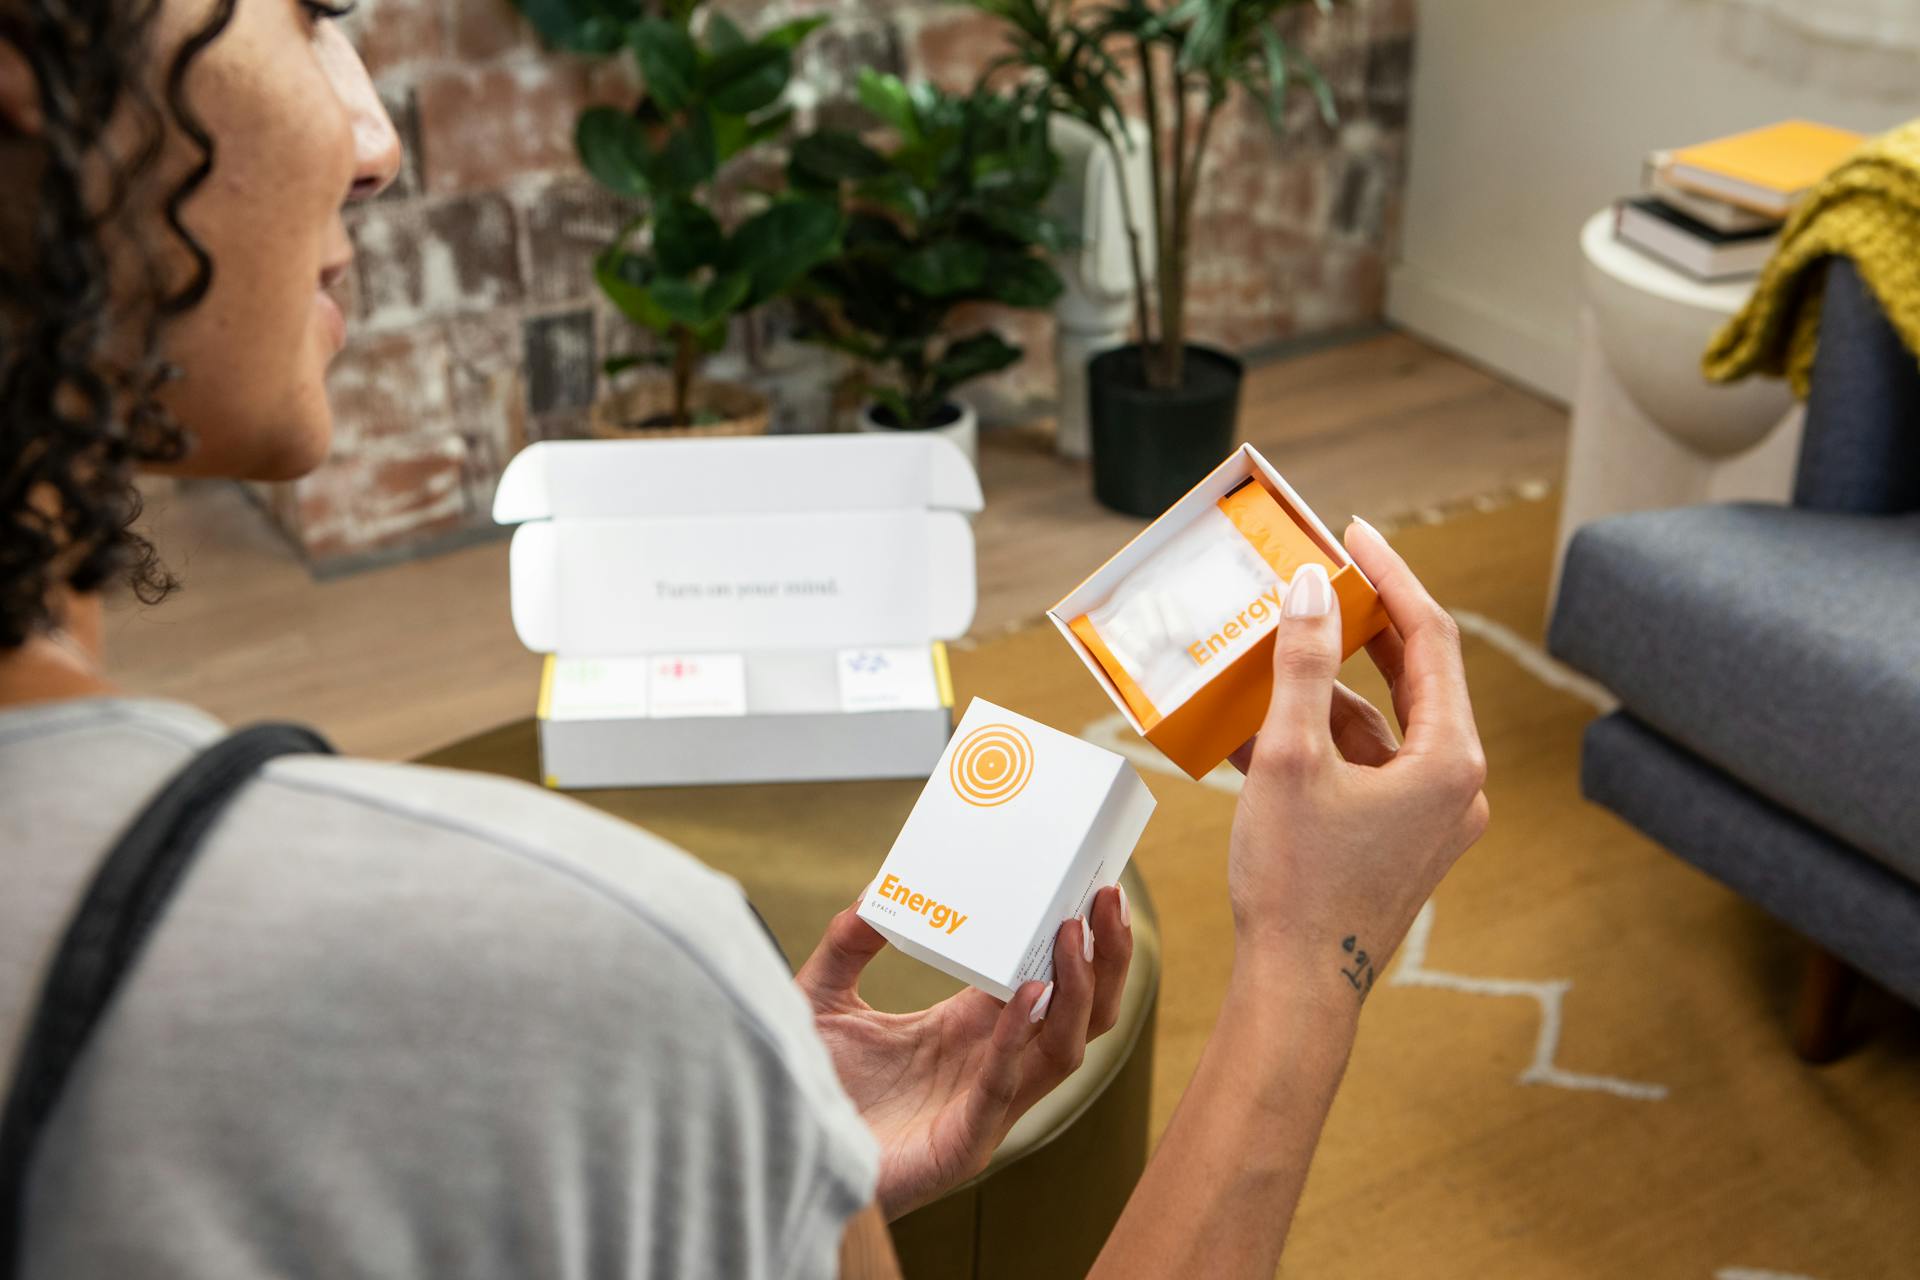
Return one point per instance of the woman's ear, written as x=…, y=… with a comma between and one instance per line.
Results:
x=19, y=92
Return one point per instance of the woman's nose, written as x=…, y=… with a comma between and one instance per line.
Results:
x=376, y=143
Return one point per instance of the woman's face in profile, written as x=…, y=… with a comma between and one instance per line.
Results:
x=297, y=131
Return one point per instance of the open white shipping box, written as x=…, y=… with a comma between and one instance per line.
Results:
x=751, y=609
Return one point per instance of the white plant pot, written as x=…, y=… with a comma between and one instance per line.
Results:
x=963, y=431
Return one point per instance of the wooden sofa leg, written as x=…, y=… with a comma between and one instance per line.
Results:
x=1820, y=1016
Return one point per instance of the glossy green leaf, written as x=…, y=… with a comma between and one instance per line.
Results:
x=784, y=242
x=581, y=26
x=613, y=148
x=1322, y=91
x=1029, y=226
x=725, y=293
x=689, y=157
x=788, y=35
x=832, y=156
x=898, y=192
x=668, y=61
x=1205, y=39
x=744, y=80
x=886, y=96
x=733, y=134
x=722, y=35
x=974, y=357
x=680, y=298
x=872, y=231
x=686, y=238
x=780, y=244
x=1275, y=99
x=943, y=268
x=622, y=278
x=1022, y=281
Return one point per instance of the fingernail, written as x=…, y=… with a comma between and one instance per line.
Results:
x=1040, y=1005
x=1310, y=594
x=1369, y=530
x=1126, y=916
x=1086, y=940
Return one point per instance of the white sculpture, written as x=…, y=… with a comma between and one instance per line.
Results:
x=1096, y=308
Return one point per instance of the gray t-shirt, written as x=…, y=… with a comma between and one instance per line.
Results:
x=402, y=1021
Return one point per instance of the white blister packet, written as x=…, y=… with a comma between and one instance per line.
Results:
x=1173, y=600
x=1199, y=602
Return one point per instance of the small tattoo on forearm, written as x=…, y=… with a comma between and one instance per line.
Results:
x=1359, y=967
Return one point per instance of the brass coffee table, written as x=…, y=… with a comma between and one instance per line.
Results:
x=802, y=851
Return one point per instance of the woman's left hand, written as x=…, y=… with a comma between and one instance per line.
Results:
x=940, y=1088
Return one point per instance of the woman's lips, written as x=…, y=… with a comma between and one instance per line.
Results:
x=331, y=317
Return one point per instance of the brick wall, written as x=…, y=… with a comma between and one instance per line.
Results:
x=476, y=328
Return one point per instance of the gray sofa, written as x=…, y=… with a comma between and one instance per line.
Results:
x=1767, y=663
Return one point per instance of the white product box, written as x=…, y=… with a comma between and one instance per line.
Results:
x=754, y=609
x=1017, y=829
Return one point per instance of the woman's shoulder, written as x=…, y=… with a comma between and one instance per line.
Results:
x=510, y=893
x=91, y=763
x=432, y=875
x=464, y=861
x=484, y=997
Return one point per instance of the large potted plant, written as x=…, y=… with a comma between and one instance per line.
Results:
x=675, y=269
x=1163, y=409
x=947, y=210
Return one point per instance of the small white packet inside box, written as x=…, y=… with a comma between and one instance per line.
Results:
x=1017, y=829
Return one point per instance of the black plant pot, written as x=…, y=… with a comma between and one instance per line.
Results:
x=1151, y=446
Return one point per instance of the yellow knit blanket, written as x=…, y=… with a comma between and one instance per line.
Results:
x=1867, y=209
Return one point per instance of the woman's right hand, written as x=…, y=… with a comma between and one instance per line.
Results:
x=1341, y=836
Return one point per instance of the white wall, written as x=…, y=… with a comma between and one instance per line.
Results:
x=1530, y=114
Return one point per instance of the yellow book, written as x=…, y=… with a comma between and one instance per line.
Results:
x=1763, y=170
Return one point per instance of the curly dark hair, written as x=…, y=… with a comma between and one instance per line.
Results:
x=75, y=418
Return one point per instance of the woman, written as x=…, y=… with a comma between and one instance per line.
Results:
x=399, y=1021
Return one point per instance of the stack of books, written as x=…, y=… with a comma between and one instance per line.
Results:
x=1714, y=211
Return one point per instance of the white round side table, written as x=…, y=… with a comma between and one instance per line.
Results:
x=1648, y=430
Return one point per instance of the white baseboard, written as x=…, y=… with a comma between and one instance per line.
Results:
x=1539, y=356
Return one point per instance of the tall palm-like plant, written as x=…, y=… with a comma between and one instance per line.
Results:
x=1201, y=49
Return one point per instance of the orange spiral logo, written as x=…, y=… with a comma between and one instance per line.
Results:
x=991, y=765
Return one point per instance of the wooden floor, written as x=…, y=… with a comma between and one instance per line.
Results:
x=395, y=661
